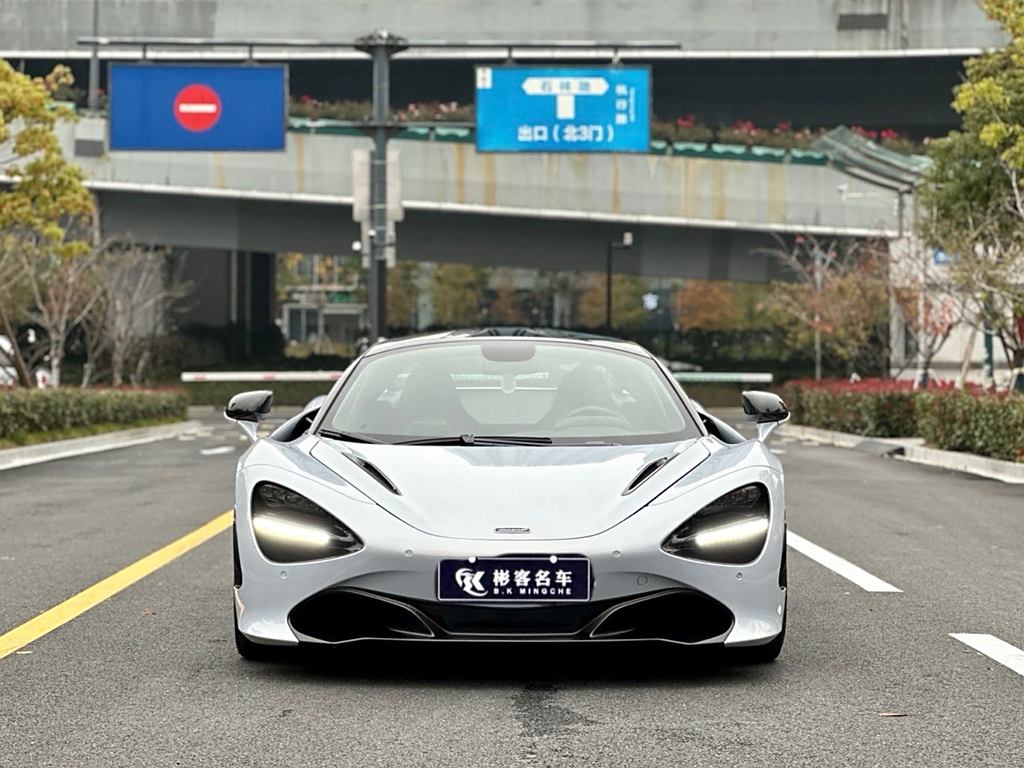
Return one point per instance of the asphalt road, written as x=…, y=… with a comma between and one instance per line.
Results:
x=149, y=677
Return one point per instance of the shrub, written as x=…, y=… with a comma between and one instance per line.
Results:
x=988, y=425
x=954, y=420
x=873, y=407
x=26, y=411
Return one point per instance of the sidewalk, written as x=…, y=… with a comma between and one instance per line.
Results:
x=80, y=446
x=911, y=449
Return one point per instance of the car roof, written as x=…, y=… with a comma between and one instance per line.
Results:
x=509, y=333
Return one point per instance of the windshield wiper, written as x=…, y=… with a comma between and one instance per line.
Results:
x=351, y=437
x=479, y=440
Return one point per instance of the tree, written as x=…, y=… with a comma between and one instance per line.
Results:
x=457, y=292
x=505, y=308
x=135, y=291
x=973, y=192
x=40, y=213
x=62, y=292
x=707, y=305
x=923, y=296
x=403, y=294
x=838, y=303
x=627, y=302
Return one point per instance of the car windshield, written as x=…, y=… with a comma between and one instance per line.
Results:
x=558, y=392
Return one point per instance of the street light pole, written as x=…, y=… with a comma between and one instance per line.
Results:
x=381, y=45
x=626, y=244
x=819, y=264
x=94, y=61
x=922, y=299
x=608, y=285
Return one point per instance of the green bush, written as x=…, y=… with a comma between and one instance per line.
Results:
x=950, y=419
x=27, y=411
x=988, y=425
x=871, y=408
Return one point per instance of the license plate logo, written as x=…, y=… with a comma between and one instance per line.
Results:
x=515, y=579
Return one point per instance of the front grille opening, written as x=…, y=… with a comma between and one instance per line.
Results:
x=682, y=615
x=338, y=615
x=463, y=619
x=645, y=474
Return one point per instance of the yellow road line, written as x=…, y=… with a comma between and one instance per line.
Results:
x=88, y=598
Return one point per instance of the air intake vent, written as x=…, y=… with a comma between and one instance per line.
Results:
x=645, y=474
x=376, y=474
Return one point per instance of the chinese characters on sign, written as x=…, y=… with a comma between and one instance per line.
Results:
x=515, y=579
x=522, y=109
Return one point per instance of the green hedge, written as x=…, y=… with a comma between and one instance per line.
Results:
x=27, y=411
x=865, y=408
x=988, y=425
x=954, y=420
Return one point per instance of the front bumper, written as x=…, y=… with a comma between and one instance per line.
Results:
x=388, y=589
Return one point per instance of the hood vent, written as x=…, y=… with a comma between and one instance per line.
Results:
x=646, y=473
x=375, y=473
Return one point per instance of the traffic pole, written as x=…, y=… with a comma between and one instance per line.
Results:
x=381, y=46
x=93, y=101
x=608, y=288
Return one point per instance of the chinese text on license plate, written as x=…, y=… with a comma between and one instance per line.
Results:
x=515, y=579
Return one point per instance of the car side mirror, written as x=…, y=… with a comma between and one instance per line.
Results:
x=248, y=409
x=765, y=409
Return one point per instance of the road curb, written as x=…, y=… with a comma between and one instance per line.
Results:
x=996, y=469
x=914, y=450
x=11, y=458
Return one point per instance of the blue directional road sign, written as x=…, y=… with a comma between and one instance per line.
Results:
x=558, y=109
x=176, y=107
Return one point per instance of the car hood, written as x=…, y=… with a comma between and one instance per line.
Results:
x=470, y=492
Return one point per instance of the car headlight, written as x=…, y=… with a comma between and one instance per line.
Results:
x=290, y=528
x=731, y=529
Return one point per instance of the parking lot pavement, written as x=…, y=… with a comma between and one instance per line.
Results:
x=867, y=677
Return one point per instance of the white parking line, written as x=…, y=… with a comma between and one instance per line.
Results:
x=1008, y=655
x=844, y=568
x=218, y=450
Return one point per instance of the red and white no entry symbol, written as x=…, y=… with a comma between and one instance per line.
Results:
x=197, y=107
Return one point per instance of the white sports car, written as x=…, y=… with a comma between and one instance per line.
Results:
x=495, y=486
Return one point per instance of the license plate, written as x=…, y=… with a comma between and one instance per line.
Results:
x=515, y=579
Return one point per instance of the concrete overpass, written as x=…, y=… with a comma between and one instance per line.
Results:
x=694, y=213
x=49, y=28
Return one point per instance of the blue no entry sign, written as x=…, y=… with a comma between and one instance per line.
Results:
x=180, y=107
x=558, y=109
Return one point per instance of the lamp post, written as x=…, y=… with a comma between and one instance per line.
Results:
x=381, y=46
x=624, y=245
x=819, y=276
x=94, y=61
